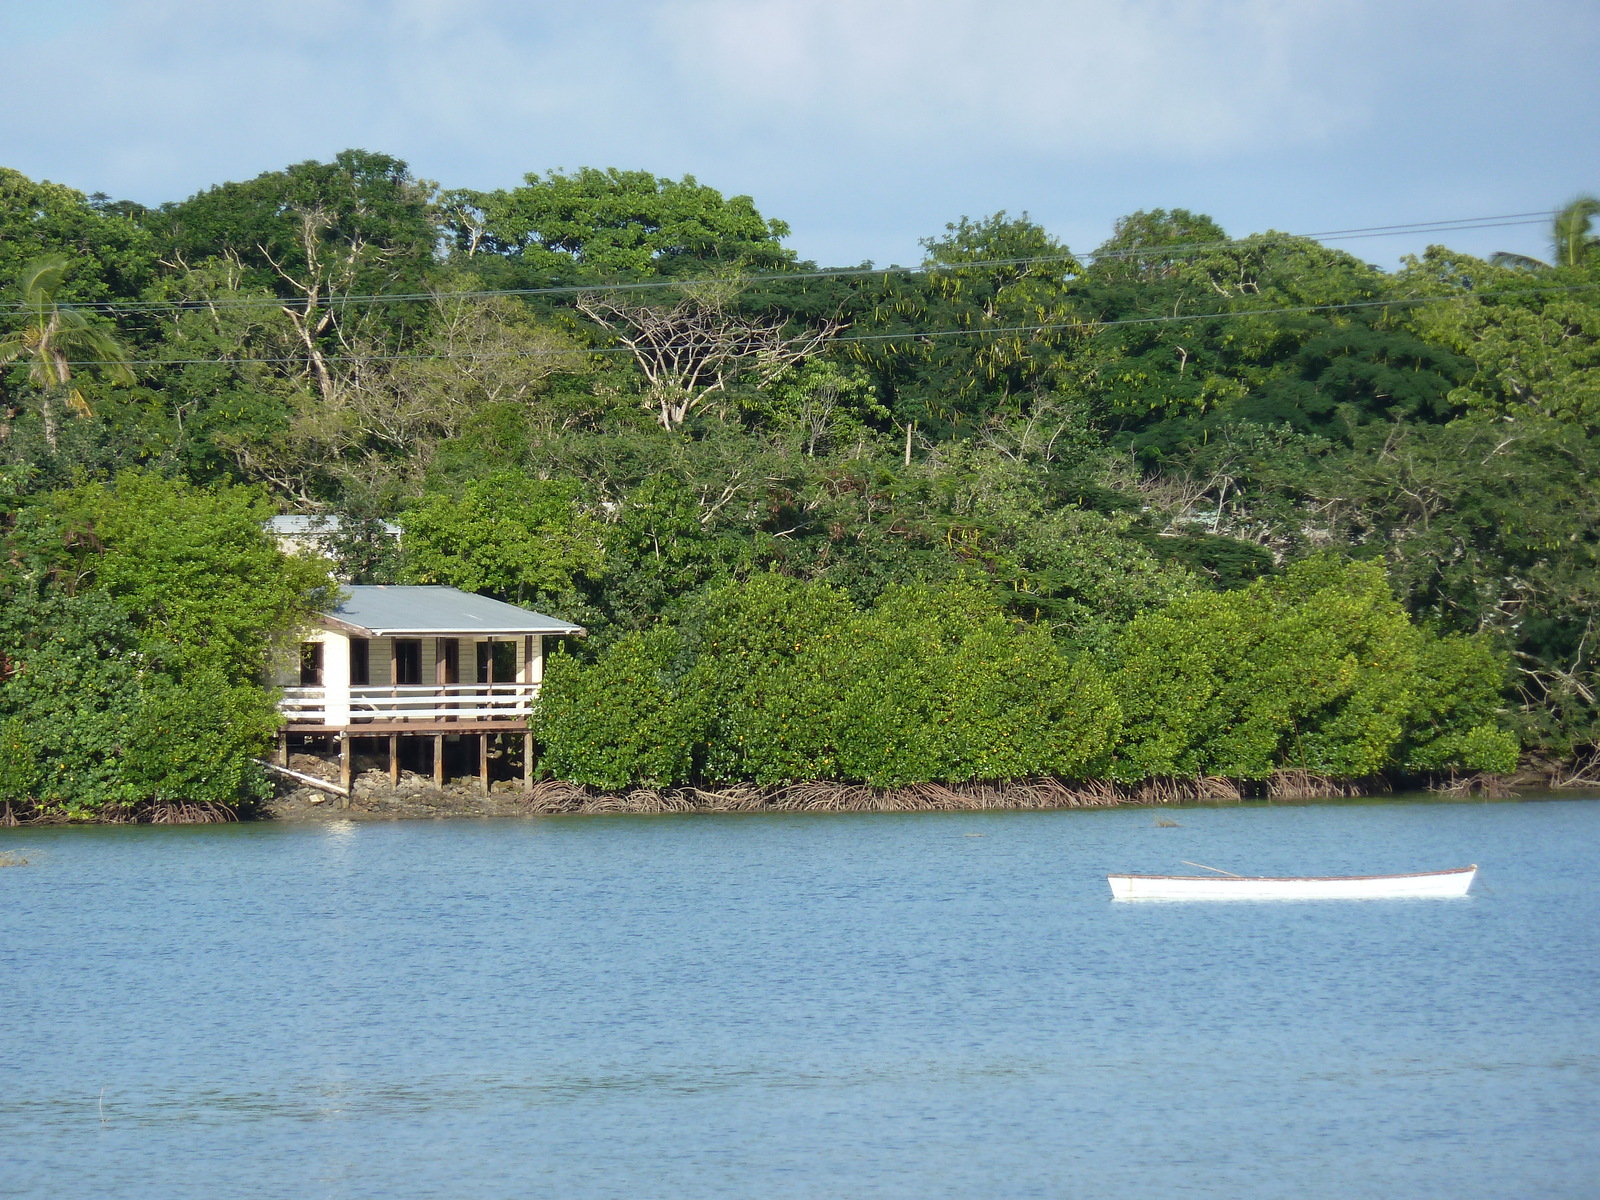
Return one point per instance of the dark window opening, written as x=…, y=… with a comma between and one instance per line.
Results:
x=407, y=661
x=497, y=662
x=310, y=664
x=360, y=662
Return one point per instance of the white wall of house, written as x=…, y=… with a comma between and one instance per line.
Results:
x=336, y=676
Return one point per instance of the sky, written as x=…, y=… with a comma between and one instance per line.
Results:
x=865, y=124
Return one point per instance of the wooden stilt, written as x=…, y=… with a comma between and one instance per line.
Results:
x=394, y=759
x=283, y=749
x=438, y=760
x=344, y=762
x=483, y=762
x=527, y=763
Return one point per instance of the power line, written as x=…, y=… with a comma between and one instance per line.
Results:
x=909, y=336
x=1177, y=250
x=1418, y=226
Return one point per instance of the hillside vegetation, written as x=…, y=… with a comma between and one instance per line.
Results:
x=1185, y=505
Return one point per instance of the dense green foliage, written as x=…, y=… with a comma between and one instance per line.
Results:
x=1318, y=669
x=138, y=617
x=1185, y=504
x=773, y=681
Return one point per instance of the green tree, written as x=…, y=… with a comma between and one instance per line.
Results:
x=938, y=684
x=821, y=403
x=771, y=680
x=222, y=373
x=1193, y=321
x=139, y=619
x=1536, y=350
x=998, y=292
x=660, y=551
x=506, y=535
x=314, y=234
x=1316, y=670
x=52, y=337
x=109, y=254
x=623, y=720
x=1484, y=526
x=194, y=566
x=609, y=224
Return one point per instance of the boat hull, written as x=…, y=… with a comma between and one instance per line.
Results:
x=1337, y=887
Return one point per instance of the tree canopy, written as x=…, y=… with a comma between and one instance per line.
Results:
x=1188, y=503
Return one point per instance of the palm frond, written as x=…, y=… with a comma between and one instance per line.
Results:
x=1572, y=228
x=87, y=346
x=41, y=279
x=1517, y=262
x=69, y=318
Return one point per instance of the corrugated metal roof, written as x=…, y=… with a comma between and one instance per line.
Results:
x=383, y=610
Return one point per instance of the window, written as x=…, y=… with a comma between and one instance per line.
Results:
x=310, y=664
x=497, y=662
x=407, y=661
x=360, y=662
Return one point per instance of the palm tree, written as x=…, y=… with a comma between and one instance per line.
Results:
x=1571, y=238
x=52, y=337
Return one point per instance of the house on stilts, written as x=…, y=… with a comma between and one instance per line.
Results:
x=434, y=676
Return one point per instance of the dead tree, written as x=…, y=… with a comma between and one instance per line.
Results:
x=693, y=351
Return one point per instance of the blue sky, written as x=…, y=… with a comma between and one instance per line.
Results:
x=866, y=124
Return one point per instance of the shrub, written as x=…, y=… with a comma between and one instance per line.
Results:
x=1317, y=669
x=774, y=681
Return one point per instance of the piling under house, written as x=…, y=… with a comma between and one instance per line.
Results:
x=428, y=673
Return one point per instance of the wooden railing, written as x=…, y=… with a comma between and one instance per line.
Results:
x=424, y=702
x=304, y=704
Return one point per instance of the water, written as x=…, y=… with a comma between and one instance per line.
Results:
x=808, y=1006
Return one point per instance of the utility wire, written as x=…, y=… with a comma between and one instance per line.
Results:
x=909, y=336
x=1177, y=250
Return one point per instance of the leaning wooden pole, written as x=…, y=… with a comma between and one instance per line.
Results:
x=309, y=780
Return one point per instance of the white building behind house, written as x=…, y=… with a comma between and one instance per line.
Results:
x=300, y=534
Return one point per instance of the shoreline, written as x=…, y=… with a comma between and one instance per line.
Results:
x=374, y=798
x=415, y=797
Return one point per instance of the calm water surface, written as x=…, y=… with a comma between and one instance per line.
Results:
x=924, y=1005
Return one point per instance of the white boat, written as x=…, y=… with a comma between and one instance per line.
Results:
x=1224, y=886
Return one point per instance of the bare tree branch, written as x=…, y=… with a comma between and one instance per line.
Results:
x=694, y=350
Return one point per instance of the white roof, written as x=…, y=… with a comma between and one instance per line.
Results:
x=386, y=610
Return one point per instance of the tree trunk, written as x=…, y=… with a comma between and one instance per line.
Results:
x=47, y=413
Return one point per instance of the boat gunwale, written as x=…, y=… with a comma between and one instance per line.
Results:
x=1298, y=878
